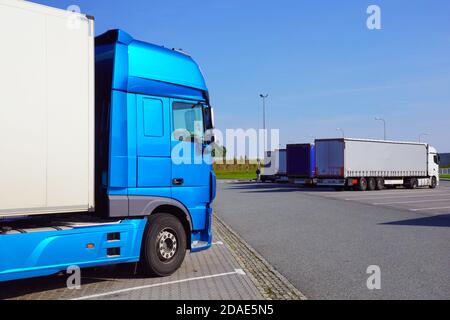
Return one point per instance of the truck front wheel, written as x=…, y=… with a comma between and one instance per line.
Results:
x=433, y=184
x=164, y=245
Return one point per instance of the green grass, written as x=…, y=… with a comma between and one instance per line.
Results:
x=445, y=176
x=235, y=171
x=235, y=174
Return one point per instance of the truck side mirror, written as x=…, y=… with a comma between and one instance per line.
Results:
x=210, y=138
x=208, y=118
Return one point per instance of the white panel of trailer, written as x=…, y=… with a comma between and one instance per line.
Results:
x=385, y=159
x=275, y=164
x=46, y=110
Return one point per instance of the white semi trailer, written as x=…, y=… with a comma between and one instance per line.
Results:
x=274, y=166
x=374, y=165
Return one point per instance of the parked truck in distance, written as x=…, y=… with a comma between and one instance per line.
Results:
x=274, y=166
x=375, y=165
x=88, y=176
x=301, y=163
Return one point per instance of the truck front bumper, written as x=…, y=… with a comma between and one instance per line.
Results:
x=202, y=240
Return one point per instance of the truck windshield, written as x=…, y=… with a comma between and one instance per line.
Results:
x=188, y=121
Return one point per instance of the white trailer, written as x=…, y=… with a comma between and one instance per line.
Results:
x=274, y=166
x=46, y=110
x=374, y=164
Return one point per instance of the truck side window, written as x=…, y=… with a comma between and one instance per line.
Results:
x=436, y=159
x=188, y=120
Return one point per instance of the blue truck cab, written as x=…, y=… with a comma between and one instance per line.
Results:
x=146, y=94
x=153, y=170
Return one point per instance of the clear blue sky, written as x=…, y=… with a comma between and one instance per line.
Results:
x=320, y=64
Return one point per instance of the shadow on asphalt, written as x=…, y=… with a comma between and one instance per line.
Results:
x=261, y=187
x=18, y=288
x=434, y=221
x=254, y=187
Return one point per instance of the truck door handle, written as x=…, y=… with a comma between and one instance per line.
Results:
x=177, y=181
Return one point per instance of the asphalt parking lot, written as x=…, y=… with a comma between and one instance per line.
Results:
x=323, y=241
x=424, y=200
x=230, y=270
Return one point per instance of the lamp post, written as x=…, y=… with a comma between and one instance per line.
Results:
x=264, y=97
x=343, y=133
x=422, y=135
x=384, y=125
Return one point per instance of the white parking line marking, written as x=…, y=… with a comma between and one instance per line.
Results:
x=427, y=209
x=401, y=197
x=241, y=272
x=217, y=243
x=236, y=271
x=406, y=202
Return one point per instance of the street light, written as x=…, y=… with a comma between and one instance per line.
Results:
x=384, y=124
x=422, y=135
x=264, y=97
x=343, y=133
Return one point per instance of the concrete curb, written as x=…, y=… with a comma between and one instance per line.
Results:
x=271, y=284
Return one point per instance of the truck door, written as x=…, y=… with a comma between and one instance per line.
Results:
x=191, y=171
x=153, y=146
x=330, y=158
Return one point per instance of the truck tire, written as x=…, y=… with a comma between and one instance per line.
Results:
x=379, y=184
x=371, y=184
x=433, y=184
x=362, y=184
x=164, y=245
x=412, y=183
